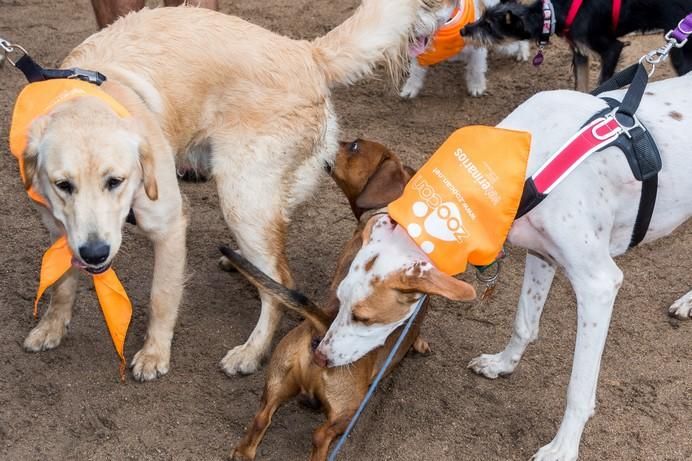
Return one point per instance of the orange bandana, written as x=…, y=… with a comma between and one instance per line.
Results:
x=35, y=100
x=460, y=205
x=447, y=41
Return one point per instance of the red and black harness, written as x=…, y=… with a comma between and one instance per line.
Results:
x=617, y=126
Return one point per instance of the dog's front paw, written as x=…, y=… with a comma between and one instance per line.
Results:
x=150, y=362
x=559, y=449
x=491, y=365
x=411, y=88
x=476, y=89
x=239, y=453
x=241, y=360
x=45, y=336
x=682, y=308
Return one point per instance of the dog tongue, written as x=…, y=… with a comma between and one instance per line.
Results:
x=77, y=263
x=417, y=47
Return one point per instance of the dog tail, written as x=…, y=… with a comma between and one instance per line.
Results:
x=292, y=299
x=377, y=31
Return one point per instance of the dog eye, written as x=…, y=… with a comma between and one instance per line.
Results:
x=113, y=183
x=353, y=147
x=65, y=186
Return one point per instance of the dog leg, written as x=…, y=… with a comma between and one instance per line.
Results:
x=421, y=346
x=610, y=56
x=476, y=60
x=275, y=394
x=153, y=359
x=682, y=308
x=596, y=280
x=580, y=64
x=324, y=435
x=259, y=229
x=53, y=325
x=538, y=277
x=414, y=83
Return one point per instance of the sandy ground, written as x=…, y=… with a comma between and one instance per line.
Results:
x=68, y=404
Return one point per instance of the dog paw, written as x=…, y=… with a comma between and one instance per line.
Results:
x=476, y=89
x=150, y=363
x=410, y=90
x=241, y=360
x=491, y=366
x=239, y=454
x=45, y=336
x=682, y=308
x=421, y=346
x=523, y=52
x=558, y=450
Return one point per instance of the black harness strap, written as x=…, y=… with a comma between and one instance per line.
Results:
x=35, y=73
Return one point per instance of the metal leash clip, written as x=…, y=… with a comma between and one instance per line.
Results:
x=488, y=276
x=659, y=55
x=6, y=49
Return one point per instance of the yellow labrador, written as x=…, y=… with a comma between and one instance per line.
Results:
x=218, y=93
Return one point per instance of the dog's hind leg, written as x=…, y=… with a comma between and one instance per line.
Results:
x=596, y=280
x=610, y=55
x=580, y=65
x=324, y=435
x=682, y=308
x=538, y=277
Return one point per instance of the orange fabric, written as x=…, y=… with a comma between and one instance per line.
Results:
x=447, y=41
x=35, y=100
x=460, y=205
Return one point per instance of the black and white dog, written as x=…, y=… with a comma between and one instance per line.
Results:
x=594, y=28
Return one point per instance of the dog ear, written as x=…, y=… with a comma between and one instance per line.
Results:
x=385, y=186
x=428, y=279
x=146, y=160
x=30, y=155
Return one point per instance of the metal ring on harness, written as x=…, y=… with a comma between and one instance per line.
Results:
x=9, y=48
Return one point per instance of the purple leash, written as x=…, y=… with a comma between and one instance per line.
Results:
x=682, y=32
x=675, y=38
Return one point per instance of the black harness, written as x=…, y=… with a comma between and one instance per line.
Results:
x=635, y=142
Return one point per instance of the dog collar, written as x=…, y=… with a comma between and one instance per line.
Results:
x=547, y=30
x=447, y=40
x=35, y=100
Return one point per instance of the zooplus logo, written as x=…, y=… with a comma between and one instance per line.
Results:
x=440, y=219
x=427, y=192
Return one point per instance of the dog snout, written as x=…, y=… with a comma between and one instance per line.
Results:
x=94, y=252
x=320, y=359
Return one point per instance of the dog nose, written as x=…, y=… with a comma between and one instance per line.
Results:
x=320, y=359
x=95, y=252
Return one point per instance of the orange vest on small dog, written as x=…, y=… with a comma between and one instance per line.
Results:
x=35, y=100
x=460, y=205
x=447, y=41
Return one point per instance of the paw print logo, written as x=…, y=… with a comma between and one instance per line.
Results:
x=442, y=223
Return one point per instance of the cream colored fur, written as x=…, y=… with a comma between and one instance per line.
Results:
x=199, y=81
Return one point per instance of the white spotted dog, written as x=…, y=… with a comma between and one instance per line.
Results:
x=472, y=55
x=585, y=221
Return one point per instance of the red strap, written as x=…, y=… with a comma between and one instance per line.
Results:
x=573, y=10
x=591, y=138
x=617, y=6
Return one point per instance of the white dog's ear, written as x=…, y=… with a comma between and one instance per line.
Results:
x=426, y=278
x=146, y=160
x=30, y=155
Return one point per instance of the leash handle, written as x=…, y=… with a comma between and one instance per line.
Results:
x=380, y=374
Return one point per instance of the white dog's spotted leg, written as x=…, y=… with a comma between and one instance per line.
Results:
x=682, y=308
x=414, y=83
x=53, y=325
x=596, y=280
x=538, y=277
x=153, y=360
x=476, y=60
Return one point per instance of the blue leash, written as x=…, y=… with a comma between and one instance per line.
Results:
x=378, y=378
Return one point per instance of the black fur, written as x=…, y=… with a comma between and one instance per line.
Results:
x=592, y=28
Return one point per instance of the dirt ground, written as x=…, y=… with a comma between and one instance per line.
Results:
x=68, y=403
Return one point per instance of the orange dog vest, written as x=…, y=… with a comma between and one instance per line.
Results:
x=35, y=100
x=460, y=205
x=447, y=41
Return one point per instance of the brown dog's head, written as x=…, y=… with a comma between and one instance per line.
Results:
x=369, y=174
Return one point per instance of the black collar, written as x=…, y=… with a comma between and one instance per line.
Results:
x=35, y=73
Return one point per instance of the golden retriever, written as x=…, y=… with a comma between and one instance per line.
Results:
x=216, y=92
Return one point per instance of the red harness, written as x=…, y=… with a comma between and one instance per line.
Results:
x=576, y=5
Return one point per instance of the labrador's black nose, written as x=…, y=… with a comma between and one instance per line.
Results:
x=94, y=252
